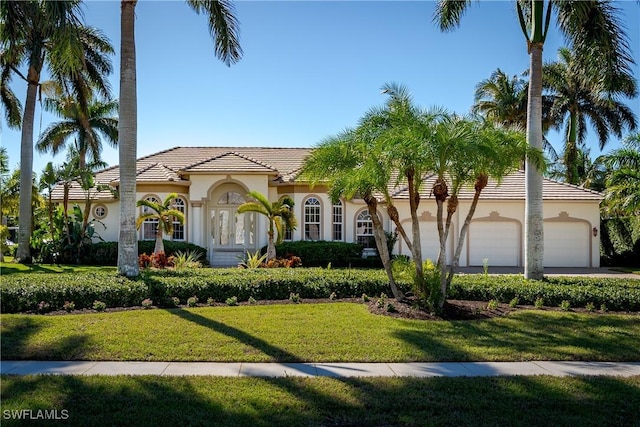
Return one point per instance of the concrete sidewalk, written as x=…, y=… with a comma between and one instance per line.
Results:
x=335, y=370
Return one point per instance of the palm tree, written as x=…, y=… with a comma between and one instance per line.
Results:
x=578, y=93
x=622, y=192
x=165, y=215
x=593, y=30
x=47, y=34
x=223, y=27
x=503, y=99
x=280, y=216
x=87, y=141
x=345, y=162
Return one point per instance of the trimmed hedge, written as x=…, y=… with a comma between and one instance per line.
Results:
x=616, y=294
x=106, y=253
x=321, y=253
x=23, y=292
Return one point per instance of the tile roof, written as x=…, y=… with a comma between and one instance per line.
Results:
x=512, y=187
x=176, y=164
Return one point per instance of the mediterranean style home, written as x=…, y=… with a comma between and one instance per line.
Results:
x=211, y=182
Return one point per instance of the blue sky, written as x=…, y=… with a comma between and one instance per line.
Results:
x=309, y=70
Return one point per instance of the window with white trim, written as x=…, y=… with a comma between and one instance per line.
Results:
x=99, y=211
x=179, y=229
x=364, y=230
x=149, y=227
x=312, y=219
x=337, y=221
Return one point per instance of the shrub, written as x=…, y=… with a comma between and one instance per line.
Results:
x=252, y=261
x=232, y=301
x=590, y=307
x=320, y=253
x=294, y=298
x=565, y=305
x=192, y=301
x=514, y=302
x=106, y=253
x=210, y=301
x=175, y=301
x=251, y=300
x=492, y=305
x=620, y=242
x=144, y=260
x=147, y=303
x=21, y=293
x=539, y=302
x=187, y=259
x=69, y=306
x=99, y=306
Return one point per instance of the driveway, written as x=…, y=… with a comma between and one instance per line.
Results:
x=555, y=271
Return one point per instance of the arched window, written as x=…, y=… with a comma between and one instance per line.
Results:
x=179, y=229
x=364, y=230
x=312, y=219
x=149, y=228
x=337, y=221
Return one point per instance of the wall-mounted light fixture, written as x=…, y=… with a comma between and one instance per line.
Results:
x=595, y=232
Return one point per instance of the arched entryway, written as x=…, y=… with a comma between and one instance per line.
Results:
x=231, y=234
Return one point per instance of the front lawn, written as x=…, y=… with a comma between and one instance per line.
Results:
x=329, y=332
x=202, y=401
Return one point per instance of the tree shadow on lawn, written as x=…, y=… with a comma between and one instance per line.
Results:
x=15, y=345
x=203, y=401
x=530, y=335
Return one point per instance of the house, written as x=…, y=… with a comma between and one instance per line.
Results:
x=211, y=182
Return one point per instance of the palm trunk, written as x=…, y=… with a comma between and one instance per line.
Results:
x=23, y=254
x=438, y=298
x=381, y=244
x=416, y=250
x=534, y=225
x=159, y=246
x=127, y=131
x=271, y=248
x=463, y=234
x=571, y=151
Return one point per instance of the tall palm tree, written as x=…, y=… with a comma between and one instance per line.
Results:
x=165, y=215
x=224, y=28
x=280, y=216
x=578, y=93
x=503, y=99
x=622, y=192
x=44, y=34
x=99, y=116
x=593, y=30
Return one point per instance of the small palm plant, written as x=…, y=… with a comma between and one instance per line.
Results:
x=280, y=215
x=165, y=214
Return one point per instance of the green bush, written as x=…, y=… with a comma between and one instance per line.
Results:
x=106, y=253
x=618, y=294
x=620, y=242
x=33, y=291
x=23, y=292
x=322, y=253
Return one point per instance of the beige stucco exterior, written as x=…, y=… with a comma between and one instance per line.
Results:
x=495, y=235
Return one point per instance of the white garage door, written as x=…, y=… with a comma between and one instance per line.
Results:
x=430, y=241
x=498, y=241
x=566, y=244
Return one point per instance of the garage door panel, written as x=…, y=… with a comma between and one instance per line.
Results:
x=566, y=244
x=498, y=241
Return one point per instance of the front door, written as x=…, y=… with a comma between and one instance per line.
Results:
x=232, y=234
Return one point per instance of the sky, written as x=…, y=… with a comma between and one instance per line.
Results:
x=309, y=69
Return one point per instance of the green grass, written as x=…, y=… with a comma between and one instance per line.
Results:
x=316, y=333
x=7, y=268
x=152, y=401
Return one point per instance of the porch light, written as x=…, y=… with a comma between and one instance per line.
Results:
x=595, y=232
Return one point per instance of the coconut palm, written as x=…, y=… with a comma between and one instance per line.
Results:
x=578, y=93
x=44, y=34
x=102, y=125
x=165, y=215
x=224, y=28
x=622, y=194
x=593, y=30
x=280, y=215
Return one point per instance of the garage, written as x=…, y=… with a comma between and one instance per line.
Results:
x=497, y=241
x=566, y=244
x=430, y=242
